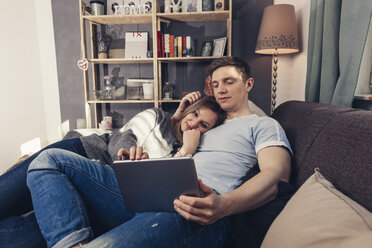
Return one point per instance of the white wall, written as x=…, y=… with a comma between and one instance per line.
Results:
x=29, y=99
x=292, y=67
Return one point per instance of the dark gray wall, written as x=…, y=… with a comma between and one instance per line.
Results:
x=247, y=17
x=188, y=76
x=66, y=23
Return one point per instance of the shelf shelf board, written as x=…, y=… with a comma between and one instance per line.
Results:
x=188, y=59
x=133, y=101
x=205, y=16
x=169, y=101
x=150, y=60
x=119, y=19
x=121, y=61
x=121, y=101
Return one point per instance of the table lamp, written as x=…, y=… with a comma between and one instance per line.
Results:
x=277, y=35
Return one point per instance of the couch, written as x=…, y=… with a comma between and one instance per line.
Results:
x=332, y=173
x=332, y=170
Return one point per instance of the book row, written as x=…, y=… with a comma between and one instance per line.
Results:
x=175, y=46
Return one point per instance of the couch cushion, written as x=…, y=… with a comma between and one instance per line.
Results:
x=334, y=139
x=319, y=215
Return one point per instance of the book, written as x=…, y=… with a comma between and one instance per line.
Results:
x=179, y=44
x=166, y=46
x=188, y=46
x=136, y=45
x=159, y=43
x=171, y=45
x=175, y=47
x=162, y=45
x=184, y=46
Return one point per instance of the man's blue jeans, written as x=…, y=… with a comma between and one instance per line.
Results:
x=15, y=200
x=76, y=199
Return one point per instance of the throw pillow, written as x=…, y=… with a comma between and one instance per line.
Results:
x=319, y=215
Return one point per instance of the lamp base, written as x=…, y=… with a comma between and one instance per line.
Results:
x=275, y=74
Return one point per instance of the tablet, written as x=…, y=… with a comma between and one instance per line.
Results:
x=153, y=184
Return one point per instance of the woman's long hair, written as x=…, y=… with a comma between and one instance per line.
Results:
x=204, y=102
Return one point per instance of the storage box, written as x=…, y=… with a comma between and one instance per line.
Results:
x=116, y=53
x=135, y=88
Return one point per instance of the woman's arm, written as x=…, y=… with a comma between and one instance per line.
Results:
x=191, y=139
x=121, y=140
x=185, y=102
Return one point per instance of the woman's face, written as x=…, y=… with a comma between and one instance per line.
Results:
x=201, y=120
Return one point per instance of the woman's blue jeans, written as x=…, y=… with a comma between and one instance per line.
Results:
x=76, y=199
x=15, y=200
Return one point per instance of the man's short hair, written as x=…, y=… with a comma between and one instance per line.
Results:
x=240, y=65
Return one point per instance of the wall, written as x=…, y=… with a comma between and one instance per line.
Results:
x=66, y=23
x=292, y=67
x=247, y=17
x=27, y=78
x=246, y=21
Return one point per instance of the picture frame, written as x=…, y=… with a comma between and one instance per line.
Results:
x=192, y=5
x=206, y=49
x=219, y=46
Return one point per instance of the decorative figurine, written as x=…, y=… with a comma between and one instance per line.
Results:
x=176, y=6
x=167, y=6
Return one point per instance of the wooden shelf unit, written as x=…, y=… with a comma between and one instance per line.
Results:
x=155, y=19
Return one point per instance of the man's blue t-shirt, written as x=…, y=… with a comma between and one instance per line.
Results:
x=227, y=152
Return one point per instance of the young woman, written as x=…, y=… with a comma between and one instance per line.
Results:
x=152, y=133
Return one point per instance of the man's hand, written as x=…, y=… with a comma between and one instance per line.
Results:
x=135, y=153
x=205, y=211
x=185, y=102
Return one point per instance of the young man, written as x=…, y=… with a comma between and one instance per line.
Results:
x=224, y=157
x=231, y=84
x=227, y=146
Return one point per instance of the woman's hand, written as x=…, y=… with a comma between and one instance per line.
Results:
x=191, y=140
x=185, y=102
x=135, y=153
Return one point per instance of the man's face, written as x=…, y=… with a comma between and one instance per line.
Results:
x=229, y=89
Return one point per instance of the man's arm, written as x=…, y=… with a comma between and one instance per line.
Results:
x=274, y=164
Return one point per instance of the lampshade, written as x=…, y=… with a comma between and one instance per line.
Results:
x=278, y=30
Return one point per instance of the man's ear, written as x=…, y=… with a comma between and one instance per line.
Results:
x=249, y=84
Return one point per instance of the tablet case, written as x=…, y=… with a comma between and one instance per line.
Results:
x=153, y=184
